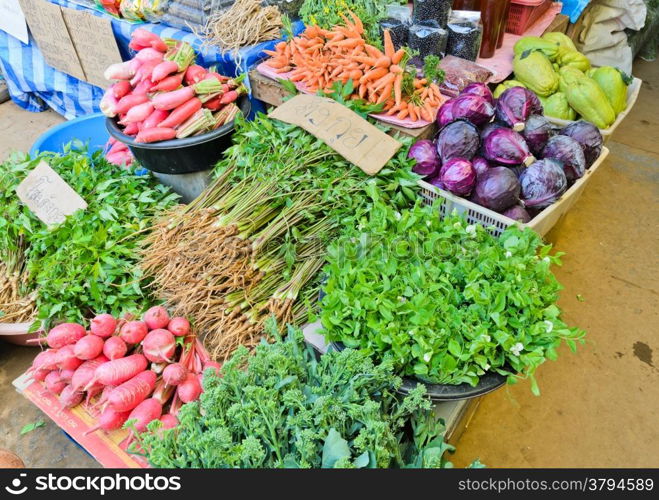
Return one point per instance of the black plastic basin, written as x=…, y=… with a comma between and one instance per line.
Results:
x=181, y=156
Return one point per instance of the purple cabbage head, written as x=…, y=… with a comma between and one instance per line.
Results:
x=437, y=182
x=537, y=131
x=473, y=108
x=567, y=151
x=479, y=89
x=458, y=139
x=518, y=213
x=489, y=128
x=588, y=136
x=480, y=164
x=427, y=159
x=515, y=106
x=507, y=147
x=497, y=189
x=543, y=183
x=458, y=176
x=445, y=113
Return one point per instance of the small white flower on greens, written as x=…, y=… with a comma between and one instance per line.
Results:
x=427, y=357
x=471, y=229
x=517, y=348
x=397, y=215
x=550, y=325
x=508, y=254
x=486, y=337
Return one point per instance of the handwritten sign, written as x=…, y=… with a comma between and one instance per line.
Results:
x=52, y=37
x=346, y=132
x=94, y=42
x=12, y=20
x=48, y=195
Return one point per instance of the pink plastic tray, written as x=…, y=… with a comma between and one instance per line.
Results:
x=269, y=72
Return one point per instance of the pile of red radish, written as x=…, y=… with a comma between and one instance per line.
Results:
x=124, y=369
x=160, y=94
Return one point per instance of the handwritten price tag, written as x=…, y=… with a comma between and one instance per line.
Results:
x=48, y=195
x=346, y=132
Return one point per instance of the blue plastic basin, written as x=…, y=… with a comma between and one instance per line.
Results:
x=89, y=130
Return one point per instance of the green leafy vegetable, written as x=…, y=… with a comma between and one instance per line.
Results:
x=283, y=407
x=32, y=426
x=432, y=70
x=88, y=263
x=443, y=299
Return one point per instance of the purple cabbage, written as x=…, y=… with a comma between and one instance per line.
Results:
x=458, y=176
x=518, y=213
x=473, y=108
x=480, y=164
x=427, y=159
x=458, y=139
x=437, y=182
x=489, y=128
x=445, y=113
x=567, y=151
x=537, y=131
x=507, y=147
x=515, y=106
x=497, y=189
x=543, y=183
x=479, y=89
x=588, y=136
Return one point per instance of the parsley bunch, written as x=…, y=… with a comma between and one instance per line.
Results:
x=444, y=300
x=283, y=407
x=88, y=263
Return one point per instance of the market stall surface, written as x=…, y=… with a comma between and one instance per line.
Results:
x=598, y=408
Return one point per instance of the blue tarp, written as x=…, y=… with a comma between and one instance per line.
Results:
x=574, y=8
x=35, y=86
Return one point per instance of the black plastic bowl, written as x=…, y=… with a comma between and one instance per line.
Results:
x=181, y=156
x=444, y=392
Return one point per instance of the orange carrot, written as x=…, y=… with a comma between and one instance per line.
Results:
x=398, y=56
x=373, y=51
x=389, y=49
x=386, y=93
x=398, y=89
x=373, y=75
x=384, y=81
x=413, y=114
x=383, y=62
x=403, y=114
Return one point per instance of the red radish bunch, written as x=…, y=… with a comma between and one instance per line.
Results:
x=162, y=77
x=125, y=369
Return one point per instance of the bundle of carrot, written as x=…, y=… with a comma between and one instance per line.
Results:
x=124, y=369
x=318, y=58
x=161, y=94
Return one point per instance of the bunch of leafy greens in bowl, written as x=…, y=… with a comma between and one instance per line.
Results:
x=88, y=263
x=284, y=407
x=444, y=300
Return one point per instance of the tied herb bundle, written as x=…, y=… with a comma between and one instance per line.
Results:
x=87, y=263
x=445, y=300
x=281, y=407
x=253, y=243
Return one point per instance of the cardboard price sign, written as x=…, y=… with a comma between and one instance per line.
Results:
x=343, y=130
x=95, y=44
x=48, y=196
x=49, y=30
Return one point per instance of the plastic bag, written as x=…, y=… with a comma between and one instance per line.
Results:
x=432, y=10
x=459, y=73
x=131, y=10
x=153, y=10
x=465, y=33
x=427, y=40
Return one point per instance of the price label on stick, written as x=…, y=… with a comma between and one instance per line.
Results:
x=48, y=195
x=340, y=128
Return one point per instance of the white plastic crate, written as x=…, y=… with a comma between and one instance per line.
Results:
x=497, y=223
x=633, y=90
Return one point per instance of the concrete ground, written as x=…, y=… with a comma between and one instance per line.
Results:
x=598, y=408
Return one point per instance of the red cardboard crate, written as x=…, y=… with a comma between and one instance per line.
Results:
x=109, y=449
x=523, y=13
